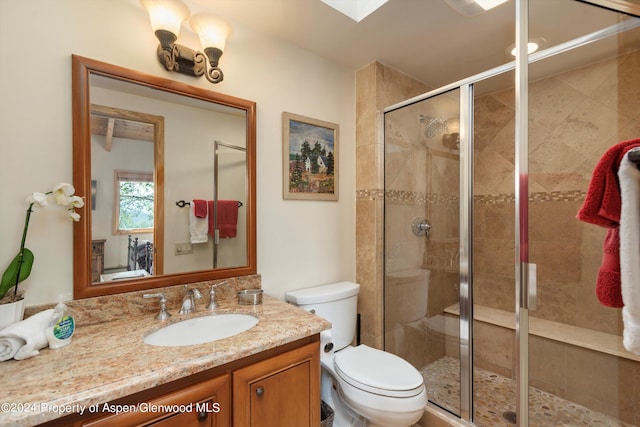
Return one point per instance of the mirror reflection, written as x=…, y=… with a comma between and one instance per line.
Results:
x=169, y=170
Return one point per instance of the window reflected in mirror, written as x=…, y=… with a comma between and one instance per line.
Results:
x=133, y=205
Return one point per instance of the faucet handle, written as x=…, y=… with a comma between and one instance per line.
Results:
x=212, y=295
x=164, y=314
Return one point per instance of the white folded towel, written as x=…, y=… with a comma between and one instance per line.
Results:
x=629, y=177
x=23, y=339
x=198, y=227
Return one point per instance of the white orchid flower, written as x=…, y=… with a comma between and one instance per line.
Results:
x=76, y=201
x=62, y=192
x=74, y=215
x=39, y=199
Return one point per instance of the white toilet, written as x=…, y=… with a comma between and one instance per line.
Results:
x=364, y=386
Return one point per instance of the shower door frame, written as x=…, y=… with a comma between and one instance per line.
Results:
x=525, y=272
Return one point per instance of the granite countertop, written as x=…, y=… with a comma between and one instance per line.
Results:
x=108, y=361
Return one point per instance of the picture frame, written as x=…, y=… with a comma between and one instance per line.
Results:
x=310, y=159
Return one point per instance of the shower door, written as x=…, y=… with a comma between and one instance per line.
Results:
x=480, y=176
x=426, y=287
x=577, y=372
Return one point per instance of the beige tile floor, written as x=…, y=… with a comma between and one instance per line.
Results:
x=495, y=395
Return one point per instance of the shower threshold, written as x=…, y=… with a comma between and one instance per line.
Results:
x=495, y=396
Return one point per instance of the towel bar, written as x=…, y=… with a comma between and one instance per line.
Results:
x=182, y=203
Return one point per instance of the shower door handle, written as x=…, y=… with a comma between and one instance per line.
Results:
x=530, y=275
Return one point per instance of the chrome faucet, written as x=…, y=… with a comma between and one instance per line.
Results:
x=189, y=300
x=212, y=295
x=164, y=314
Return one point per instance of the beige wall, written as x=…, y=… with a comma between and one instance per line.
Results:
x=300, y=243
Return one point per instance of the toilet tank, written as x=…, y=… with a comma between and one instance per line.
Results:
x=337, y=302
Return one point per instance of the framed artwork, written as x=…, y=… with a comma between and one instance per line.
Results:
x=310, y=158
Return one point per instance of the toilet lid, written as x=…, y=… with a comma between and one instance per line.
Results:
x=378, y=372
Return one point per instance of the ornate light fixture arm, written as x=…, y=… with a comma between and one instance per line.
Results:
x=166, y=18
x=176, y=57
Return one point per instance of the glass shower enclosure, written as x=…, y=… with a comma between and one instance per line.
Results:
x=489, y=277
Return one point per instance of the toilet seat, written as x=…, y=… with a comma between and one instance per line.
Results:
x=378, y=372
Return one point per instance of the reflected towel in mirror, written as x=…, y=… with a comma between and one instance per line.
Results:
x=227, y=218
x=198, y=222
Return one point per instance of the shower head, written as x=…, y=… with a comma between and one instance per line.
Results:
x=435, y=126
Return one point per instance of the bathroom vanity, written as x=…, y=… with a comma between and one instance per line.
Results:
x=268, y=373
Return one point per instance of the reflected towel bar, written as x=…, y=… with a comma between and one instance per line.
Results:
x=182, y=203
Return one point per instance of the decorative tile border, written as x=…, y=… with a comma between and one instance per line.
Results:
x=415, y=198
x=370, y=194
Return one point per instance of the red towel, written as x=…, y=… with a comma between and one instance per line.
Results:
x=227, y=218
x=601, y=207
x=602, y=204
x=200, y=208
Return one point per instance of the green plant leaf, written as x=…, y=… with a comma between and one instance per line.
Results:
x=9, y=276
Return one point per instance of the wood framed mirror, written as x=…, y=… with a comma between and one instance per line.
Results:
x=144, y=148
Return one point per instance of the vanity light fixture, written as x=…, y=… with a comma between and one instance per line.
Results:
x=166, y=18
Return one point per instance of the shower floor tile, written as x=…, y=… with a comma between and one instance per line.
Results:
x=495, y=395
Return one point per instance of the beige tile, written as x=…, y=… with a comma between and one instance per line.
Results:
x=493, y=291
x=551, y=102
x=443, y=291
x=493, y=348
x=393, y=86
x=490, y=118
x=493, y=174
x=600, y=382
x=587, y=79
x=621, y=90
x=547, y=361
x=368, y=166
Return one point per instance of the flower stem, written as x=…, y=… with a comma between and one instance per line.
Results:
x=21, y=254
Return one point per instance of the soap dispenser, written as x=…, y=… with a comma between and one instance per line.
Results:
x=61, y=326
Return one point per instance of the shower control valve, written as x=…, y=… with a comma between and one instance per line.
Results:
x=421, y=227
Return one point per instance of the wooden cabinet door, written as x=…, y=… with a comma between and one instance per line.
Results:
x=282, y=391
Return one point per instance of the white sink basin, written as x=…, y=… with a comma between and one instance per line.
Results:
x=200, y=330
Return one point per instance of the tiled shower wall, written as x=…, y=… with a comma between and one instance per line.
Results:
x=377, y=87
x=574, y=118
